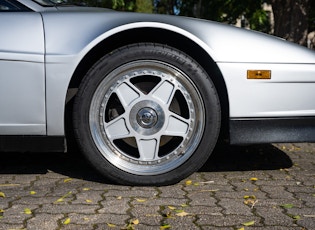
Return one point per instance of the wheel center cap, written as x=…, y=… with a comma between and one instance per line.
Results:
x=147, y=117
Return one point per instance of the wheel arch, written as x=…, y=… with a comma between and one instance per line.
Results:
x=166, y=37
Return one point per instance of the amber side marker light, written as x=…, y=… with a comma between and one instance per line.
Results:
x=258, y=74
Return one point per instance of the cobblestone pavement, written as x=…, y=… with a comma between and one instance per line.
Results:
x=253, y=187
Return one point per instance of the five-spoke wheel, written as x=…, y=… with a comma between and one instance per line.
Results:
x=147, y=114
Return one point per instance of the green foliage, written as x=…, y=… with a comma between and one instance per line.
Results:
x=227, y=11
x=144, y=6
x=260, y=21
x=311, y=20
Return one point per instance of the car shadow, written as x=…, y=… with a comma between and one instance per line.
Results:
x=227, y=157
x=224, y=158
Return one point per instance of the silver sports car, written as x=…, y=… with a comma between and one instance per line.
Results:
x=145, y=96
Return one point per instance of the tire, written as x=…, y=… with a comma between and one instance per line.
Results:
x=146, y=114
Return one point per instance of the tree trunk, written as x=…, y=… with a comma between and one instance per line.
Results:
x=291, y=19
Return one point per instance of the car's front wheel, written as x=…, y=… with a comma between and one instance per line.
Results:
x=147, y=114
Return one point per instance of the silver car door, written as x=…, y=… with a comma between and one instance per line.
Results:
x=22, y=74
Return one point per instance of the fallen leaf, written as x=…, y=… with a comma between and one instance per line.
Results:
x=111, y=225
x=27, y=211
x=2, y=194
x=295, y=217
x=165, y=226
x=86, y=189
x=67, y=221
x=249, y=223
x=61, y=199
x=188, y=182
x=9, y=185
x=67, y=180
x=254, y=179
x=32, y=192
x=141, y=200
x=207, y=182
x=287, y=206
x=135, y=222
x=1, y=213
x=179, y=210
x=182, y=214
x=250, y=197
x=171, y=207
x=119, y=197
x=88, y=201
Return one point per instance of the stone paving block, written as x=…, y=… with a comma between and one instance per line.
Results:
x=303, y=212
x=4, y=226
x=276, y=203
x=235, y=207
x=274, y=216
x=209, y=187
x=6, y=179
x=308, y=198
x=218, y=178
x=25, y=179
x=204, y=210
x=163, y=202
x=87, y=197
x=147, y=215
x=145, y=227
x=201, y=198
x=276, y=228
x=44, y=221
x=244, y=185
x=276, y=192
x=301, y=189
x=187, y=222
x=35, y=200
x=68, y=208
x=246, y=175
x=212, y=198
x=306, y=179
x=132, y=193
x=45, y=183
x=233, y=221
x=91, y=219
x=240, y=194
x=306, y=223
x=175, y=191
x=76, y=227
x=115, y=205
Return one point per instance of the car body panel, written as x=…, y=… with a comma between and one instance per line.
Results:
x=71, y=32
x=286, y=94
x=22, y=75
x=233, y=56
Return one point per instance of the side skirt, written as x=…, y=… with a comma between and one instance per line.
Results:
x=272, y=130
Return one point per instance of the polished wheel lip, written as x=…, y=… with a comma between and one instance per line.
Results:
x=149, y=164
